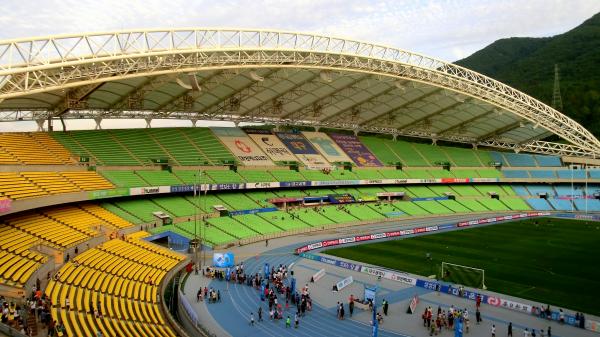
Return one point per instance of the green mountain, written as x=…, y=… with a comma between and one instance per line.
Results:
x=528, y=65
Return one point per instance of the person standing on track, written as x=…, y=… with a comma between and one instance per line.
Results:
x=509, y=330
x=385, y=307
x=260, y=314
x=252, y=318
x=493, y=330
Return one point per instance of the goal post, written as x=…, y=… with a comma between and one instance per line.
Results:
x=464, y=275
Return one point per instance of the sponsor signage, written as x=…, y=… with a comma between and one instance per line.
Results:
x=281, y=200
x=390, y=194
x=223, y=260
x=117, y=192
x=295, y=183
x=344, y=283
x=253, y=211
x=336, y=182
x=356, y=150
x=318, y=275
x=233, y=186
x=262, y=185
x=242, y=147
x=5, y=205
x=149, y=190
x=303, y=149
x=272, y=146
x=326, y=146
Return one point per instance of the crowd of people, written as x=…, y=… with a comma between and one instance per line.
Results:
x=446, y=320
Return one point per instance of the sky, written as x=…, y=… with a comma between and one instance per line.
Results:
x=445, y=29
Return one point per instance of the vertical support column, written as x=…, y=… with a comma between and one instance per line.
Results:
x=148, y=121
x=40, y=124
x=194, y=121
x=50, y=126
x=98, y=120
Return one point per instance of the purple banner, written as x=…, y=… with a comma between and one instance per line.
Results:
x=355, y=149
x=296, y=143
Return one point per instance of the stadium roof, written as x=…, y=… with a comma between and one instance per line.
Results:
x=274, y=77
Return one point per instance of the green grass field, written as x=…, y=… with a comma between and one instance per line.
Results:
x=555, y=261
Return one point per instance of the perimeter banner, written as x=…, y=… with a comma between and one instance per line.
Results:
x=328, y=148
x=303, y=149
x=356, y=150
x=272, y=146
x=242, y=146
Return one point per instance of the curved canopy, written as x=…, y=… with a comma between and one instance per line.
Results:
x=275, y=77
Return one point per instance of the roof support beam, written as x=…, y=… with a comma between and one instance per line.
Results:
x=500, y=131
x=398, y=108
x=166, y=106
x=465, y=122
x=74, y=97
x=437, y=112
x=364, y=101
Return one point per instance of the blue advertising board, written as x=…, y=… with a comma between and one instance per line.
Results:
x=223, y=260
x=296, y=143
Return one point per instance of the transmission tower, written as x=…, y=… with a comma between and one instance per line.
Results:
x=556, y=97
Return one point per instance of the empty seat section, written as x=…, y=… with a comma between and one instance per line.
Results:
x=379, y=147
x=87, y=180
x=589, y=205
x=434, y=154
x=454, y=206
x=51, y=182
x=7, y=158
x=262, y=197
x=387, y=209
x=238, y=201
x=15, y=186
x=494, y=204
x=516, y=174
x=433, y=207
x=121, y=213
x=363, y=213
x=497, y=157
x=490, y=189
x=343, y=175
x=367, y=174
x=256, y=175
x=594, y=174
x=178, y=147
x=177, y=206
x=462, y=157
x=37, y=225
x=465, y=190
x=212, y=234
x=283, y=220
x=159, y=178
x=206, y=142
x=393, y=174
x=441, y=190
x=409, y=208
x=567, y=190
x=421, y=192
x=536, y=190
x=27, y=150
x=125, y=178
x=515, y=204
x=520, y=159
x=561, y=204
x=224, y=176
x=287, y=175
x=192, y=177
x=571, y=174
x=311, y=217
x=206, y=202
x=257, y=224
x=418, y=174
x=539, y=204
x=102, y=146
x=407, y=153
x=105, y=215
x=548, y=161
x=140, y=143
x=76, y=218
x=489, y=173
x=542, y=174
x=473, y=205
x=440, y=173
x=316, y=175
x=337, y=215
x=521, y=190
x=465, y=173
x=140, y=208
x=232, y=227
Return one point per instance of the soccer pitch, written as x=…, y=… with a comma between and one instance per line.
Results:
x=552, y=262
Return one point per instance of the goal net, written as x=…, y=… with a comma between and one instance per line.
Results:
x=464, y=275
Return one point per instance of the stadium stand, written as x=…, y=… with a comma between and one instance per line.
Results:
x=159, y=178
x=17, y=261
x=499, y=158
x=14, y=186
x=493, y=204
x=433, y=207
x=99, y=145
x=311, y=217
x=262, y=197
x=393, y=174
x=208, y=145
x=343, y=175
x=464, y=157
x=206, y=202
x=548, y=161
x=536, y=190
x=177, y=206
x=387, y=209
x=587, y=205
x=140, y=144
x=106, y=216
x=465, y=190
x=516, y=174
x=87, y=180
x=256, y=175
x=76, y=218
x=368, y=174
x=121, y=213
x=515, y=204
x=192, y=177
x=120, y=280
x=418, y=174
x=489, y=173
x=363, y=213
x=489, y=189
x=464, y=173
x=594, y=174
x=542, y=174
x=61, y=235
x=337, y=215
x=473, y=205
x=212, y=234
x=283, y=220
x=539, y=204
x=257, y=224
x=125, y=178
x=571, y=174
x=454, y=206
x=408, y=155
x=519, y=159
x=24, y=148
x=178, y=147
x=379, y=147
x=409, y=208
x=140, y=208
x=287, y=175
x=237, y=201
x=315, y=175
x=232, y=227
x=439, y=173
x=224, y=176
x=432, y=153
x=51, y=182
x=421, y=192
x=561, y=204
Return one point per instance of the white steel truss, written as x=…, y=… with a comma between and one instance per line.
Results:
x=29, y=66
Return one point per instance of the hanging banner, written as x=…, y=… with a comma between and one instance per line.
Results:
x=356, y=150
x=242, y=147
x=303, y=149
x=272, y=146
x=328, y=148
x=5, y=205
x=223, y=260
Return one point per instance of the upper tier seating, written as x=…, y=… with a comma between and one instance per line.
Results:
x=594, y=173
x=177, y=206
x=159, y=178
x=178, y=147
x=192, y=177
x=32, y=149
x=98, y=144
x=125, y=178
x=516, y=174
x=106, y=216
x=15, y=186
x=61, y=235
x=539, y=204
x=465, y=157
x=209, y=145
x=287, y=175
x=393, y=174
x=253, y=176
x=489, y=173
x=342, y=175
x=571, y=174
x=224, y=176
x=464, y=173
x=51, y=182
x=548, y=161
x=407, y=153
x=379, y=148
x=368, y=174
x=542, y=174
x=237, y=201
x=87, y=180
x=520, y=159
x=433, y=154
